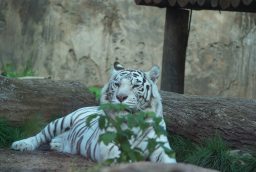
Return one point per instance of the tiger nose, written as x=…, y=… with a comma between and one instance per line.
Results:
x=121, y=98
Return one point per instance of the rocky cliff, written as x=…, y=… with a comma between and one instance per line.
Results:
x=79, y=40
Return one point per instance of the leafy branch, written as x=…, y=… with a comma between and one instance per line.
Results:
x=128, y=131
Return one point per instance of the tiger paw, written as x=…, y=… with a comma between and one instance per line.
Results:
x=169, y=160
x=24, y=145
x=109, y=151
x=57, y=144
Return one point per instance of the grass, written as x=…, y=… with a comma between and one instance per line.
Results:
x=212, y=153
x=32, y=126
x=10, y=71
x=10, y=133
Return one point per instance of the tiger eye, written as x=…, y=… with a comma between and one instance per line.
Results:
x=117, y=84
x=135, y=86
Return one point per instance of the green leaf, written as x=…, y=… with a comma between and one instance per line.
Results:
x=138, y=154
x=11, y=71
x=151, y=145
x=157, y=120
x=143, y=120
x=113, y=107
x=159, y=130
x=96, y=91
x=102, y=122
x=90, y=118
x=131, y=122
x=107, y=137
x=169, y=152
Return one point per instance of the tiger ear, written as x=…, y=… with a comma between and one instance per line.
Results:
x=154, y=73
x=117, y=67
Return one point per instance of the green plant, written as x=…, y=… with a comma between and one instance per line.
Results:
x=95, y=91
x=211, y=153
x=182, y=146
x=119, y=130
x=32, y=126
x=8, y=134
x=10, y=71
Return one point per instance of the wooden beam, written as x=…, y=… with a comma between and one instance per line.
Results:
x=174, y=50
x=220, y=5
x=235, y=3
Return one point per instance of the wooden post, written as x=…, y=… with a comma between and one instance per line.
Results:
x=174, y=50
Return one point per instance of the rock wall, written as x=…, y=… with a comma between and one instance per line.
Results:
x=79, y=40
x=221, y=55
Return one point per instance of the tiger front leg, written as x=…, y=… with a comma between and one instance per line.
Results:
x=28, y=144
x=107, y=152
x=159, y=155
x=162, y=155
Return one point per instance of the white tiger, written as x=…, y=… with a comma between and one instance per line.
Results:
x=70, y=134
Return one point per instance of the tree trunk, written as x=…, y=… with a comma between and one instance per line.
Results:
x=194, y=117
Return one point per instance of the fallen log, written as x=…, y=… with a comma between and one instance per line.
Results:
x=194, y=117
x=22, y=99
x=197, y=117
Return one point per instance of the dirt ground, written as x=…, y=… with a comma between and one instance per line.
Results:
x=41, y=160
x=49, y=161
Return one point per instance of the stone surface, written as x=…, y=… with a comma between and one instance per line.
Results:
x=221, y=55
x=79, y=40
x=153, y=167
x=42, y=160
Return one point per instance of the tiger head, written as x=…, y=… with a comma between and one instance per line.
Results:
x=134, y=88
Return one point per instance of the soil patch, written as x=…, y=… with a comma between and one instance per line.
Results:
x=40, y=160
